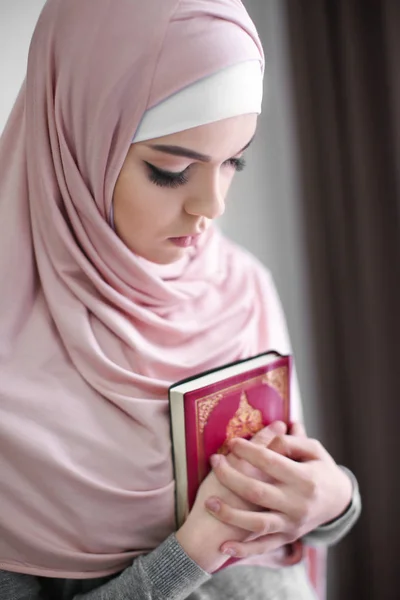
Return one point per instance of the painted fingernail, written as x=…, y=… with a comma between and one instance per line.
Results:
x=229, y=551
x=215, y=460
x=213, y=505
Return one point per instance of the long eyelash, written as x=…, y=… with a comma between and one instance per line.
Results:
x=237, y=163
x=166, y=178
x=174, y=180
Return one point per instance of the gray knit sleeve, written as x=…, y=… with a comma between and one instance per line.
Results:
x=166, y=573
x=333, y=532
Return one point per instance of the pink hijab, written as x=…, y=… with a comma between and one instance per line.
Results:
x=91, y=336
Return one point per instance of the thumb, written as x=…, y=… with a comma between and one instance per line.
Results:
x=265, y=436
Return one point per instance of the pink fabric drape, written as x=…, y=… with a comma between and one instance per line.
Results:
x=91, y=336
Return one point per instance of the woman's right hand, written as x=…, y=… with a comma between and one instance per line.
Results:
x=201, y=536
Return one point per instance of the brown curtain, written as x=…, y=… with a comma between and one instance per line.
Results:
x=345, y=70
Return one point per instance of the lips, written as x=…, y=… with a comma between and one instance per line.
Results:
x=185, y=241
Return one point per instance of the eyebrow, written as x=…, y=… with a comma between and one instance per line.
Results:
x=187, y=152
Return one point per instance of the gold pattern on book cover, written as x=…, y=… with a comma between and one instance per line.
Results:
x=246, y=421
x=278, y=380
x=205, y=409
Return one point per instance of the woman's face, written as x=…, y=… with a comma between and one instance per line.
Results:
x=170, y=188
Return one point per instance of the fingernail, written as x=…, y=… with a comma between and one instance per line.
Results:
x=213, y=505
x=215, y=460
x=229, y=551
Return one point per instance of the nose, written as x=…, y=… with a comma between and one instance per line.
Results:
x=208, y=200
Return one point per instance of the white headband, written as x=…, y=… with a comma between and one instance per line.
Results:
x=233, y=91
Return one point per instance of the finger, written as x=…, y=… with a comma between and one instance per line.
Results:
x=265, y=436
x=297, y=429
x=300, y=449
x=258, y=523
x=261, y=546
x=270, y=461
x=258, y=493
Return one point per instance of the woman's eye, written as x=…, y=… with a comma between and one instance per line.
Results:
x=237, y=163
x=166, y=178
x=174, y=180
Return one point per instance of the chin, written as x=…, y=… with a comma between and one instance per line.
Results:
x=166, y=258
x=164, y=262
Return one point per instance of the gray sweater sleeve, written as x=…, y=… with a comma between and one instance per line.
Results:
x=333, y=532
x=166, y=573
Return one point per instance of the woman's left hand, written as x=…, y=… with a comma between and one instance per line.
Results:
x=303, y=489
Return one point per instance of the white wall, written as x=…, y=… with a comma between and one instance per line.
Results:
x=17, y=21
x=263, y=210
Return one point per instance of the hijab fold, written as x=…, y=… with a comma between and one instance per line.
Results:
x=91, y=336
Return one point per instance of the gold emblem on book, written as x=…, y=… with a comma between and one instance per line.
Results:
x=246, y=422
x=278, y=379
x=205, y=409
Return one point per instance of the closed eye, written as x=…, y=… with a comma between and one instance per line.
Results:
x=166, y=178
x=173, y=180
x=237, y=163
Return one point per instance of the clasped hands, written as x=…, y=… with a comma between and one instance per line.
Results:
x=287, y=485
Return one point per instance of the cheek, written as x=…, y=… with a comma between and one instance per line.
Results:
x=141, y=207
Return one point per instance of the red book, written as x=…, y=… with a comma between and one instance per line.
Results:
x=207, y=410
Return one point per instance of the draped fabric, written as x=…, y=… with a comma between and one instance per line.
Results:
x=91, y=336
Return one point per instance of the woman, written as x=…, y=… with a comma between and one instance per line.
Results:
x=116, y=159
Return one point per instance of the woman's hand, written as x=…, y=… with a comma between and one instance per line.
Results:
x=302, y=488
x=202, y=536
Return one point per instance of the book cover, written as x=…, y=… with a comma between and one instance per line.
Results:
x=236, y=400
x=209, y=409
